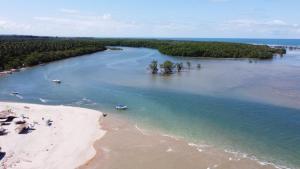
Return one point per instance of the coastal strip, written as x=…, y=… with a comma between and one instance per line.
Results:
x=39, y=136
x=127, y=145
x=69, y=137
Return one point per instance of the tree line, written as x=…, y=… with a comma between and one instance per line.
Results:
x=200, y=49
x=23, y=52
x=19, y=51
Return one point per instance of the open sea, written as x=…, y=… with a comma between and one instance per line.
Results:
x=234, y=104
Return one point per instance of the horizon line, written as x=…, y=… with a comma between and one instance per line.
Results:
x=139, y=37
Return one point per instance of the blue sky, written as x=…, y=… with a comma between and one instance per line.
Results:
x=152, y=18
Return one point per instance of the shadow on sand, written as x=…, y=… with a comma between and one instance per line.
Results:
x=2, y=155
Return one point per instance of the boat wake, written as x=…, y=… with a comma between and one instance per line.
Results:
x=17, y=95
x=43, y=100
x=85, y=101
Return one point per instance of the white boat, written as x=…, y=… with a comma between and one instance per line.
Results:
x=121, y=107
x=56, y=81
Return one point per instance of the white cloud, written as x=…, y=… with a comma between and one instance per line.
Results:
x=70, y=22
x=106, y=16
x=68, y=11
x=252, y=23
x=171, y=28
x=276, y=22
x=11, y=25
x=261, y=28
x=84, y=25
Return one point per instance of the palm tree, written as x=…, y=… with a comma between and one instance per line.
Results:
x=153, y=67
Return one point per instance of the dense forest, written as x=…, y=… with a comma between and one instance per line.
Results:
x=16, y=53
x=19, y=51
x=200, y=49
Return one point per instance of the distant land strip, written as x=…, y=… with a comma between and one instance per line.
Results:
x=23, y=51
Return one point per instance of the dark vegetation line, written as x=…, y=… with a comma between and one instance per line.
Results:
x=21, y=51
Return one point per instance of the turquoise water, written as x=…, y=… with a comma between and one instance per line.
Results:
x=234, y=104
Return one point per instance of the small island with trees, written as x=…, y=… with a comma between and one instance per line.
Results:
x=167, y=67
x=22, y=51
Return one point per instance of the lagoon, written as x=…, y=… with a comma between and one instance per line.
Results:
x=234, y=104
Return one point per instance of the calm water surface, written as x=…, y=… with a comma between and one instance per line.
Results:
x=234, y=104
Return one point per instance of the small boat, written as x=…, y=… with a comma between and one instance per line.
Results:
x=13, y=70
x=15, y=93
x=121, y=107
x=49, y=122
x=10, y=118
x=56, y=81
x=24, y=129
x=3, y=131
x=2, y=154
x=20, y=122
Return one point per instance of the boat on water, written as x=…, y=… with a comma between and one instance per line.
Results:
x=56, y=81
x=121, y=107
x=15, y=93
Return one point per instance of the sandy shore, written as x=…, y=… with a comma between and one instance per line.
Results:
x=70, y=142
x=128, y=146
x=67, y=143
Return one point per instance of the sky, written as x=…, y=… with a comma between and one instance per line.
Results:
x=152, y=18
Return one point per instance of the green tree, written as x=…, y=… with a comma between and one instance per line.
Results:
x=153, y=66
x=18, y=51
x=179, y=67
x=168, y=67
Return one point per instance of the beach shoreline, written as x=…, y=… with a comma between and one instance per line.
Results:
x=106, y=143
x=126, y=145
x=61, y=136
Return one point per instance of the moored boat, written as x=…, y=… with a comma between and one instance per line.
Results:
x=121, y=107
x=15, y=93
x=56, y=81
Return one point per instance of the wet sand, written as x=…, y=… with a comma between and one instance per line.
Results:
x=126, y=146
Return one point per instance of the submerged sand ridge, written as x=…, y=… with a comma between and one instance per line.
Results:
x=126, y=146
x=67, y=143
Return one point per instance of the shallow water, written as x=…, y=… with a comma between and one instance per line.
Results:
x=248, y=107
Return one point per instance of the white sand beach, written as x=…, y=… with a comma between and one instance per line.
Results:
x=67, y=143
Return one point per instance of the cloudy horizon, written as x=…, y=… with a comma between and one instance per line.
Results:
x=133, y=18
